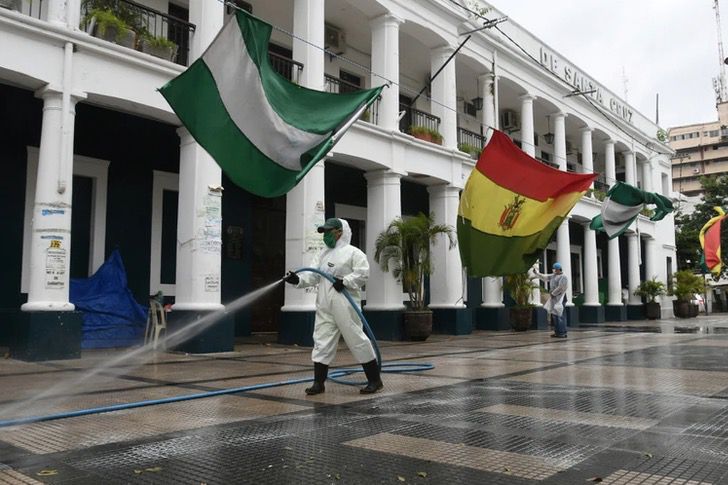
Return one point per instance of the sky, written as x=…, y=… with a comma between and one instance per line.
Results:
x=668, y=47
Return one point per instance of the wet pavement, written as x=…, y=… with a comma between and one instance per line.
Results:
x=632, y=403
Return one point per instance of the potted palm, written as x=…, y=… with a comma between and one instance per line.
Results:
x=686, y=285
x=471, y=150
x=404, y=249
x=650, y=290
x=106, y=25
x=520, y=287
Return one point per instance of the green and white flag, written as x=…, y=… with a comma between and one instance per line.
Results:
x=264, y=131
x=622, y=206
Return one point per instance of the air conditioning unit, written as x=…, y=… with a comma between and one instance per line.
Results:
x=509, y=120
x=334, y=39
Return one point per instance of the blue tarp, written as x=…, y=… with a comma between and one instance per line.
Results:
x=111, y=316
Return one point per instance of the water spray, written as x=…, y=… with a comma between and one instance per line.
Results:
x=333, y=376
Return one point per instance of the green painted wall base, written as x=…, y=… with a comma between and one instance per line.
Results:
x=452, y=321
x=296, y=328
x=540, y=319
x=572, y=316
x=219, y=337
x=38, y=336
x=487, y=318
x=591, y=314
x=636, y=312
x=614, y=313
x=386, y=324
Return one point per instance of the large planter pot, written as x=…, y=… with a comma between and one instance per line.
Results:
x=693, y=310
x=163, y=52
x=681, y=309
x=652, y=310
x=520, y=318
x=126, y=38
x=418, y=325
x=426, y=137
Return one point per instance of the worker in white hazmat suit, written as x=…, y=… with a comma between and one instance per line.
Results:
x=334, y=314
x=558, y=283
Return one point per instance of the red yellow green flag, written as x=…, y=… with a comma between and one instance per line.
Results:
x=511, y=206
x=710, y=241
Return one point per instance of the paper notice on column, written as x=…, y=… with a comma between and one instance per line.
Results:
x=210, y=240
x=55, y=266
x=212, y=283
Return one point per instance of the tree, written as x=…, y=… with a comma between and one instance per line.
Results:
x=688, y=226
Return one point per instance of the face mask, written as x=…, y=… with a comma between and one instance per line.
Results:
x=330, y=239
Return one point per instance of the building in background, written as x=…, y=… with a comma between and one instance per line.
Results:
x=94, y=160
x=701, y=150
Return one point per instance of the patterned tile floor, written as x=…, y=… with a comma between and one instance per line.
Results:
x=636, y=403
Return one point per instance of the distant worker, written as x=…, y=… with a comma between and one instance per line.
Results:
x=334, y=314
x=557, y=285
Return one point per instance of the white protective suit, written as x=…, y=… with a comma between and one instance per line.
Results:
x=334, y=314
x=557, y=290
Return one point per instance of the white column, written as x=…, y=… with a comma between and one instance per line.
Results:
x=446, y=282
x=73, y=13
x=633, y=274
x=614, y=275
x=444, y=95
x=199, y=225
x=527, y=144
x=492, y=292
x=630, y=176
x=560, y=139
x=308, y=24
x=199, y=213
x=563, y=241
x=646, y=176
x=383, y=206
x=57, y=12
x=305, y=209
x=591, y=273
x=651, y=270
x=587, y=158
x=385, y=61
x=50, y=244
x=610, y=165
x=487, y=87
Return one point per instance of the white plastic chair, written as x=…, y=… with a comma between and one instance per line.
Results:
x=156, y=322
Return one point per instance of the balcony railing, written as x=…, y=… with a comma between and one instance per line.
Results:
x=471, y=139
x=335, y=85
x=414, y=117
x=146, y=22
x=31, y=8
x=286, y=67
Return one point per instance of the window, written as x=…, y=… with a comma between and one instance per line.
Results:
x=164, y=233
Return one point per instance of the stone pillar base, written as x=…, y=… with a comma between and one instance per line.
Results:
x=38, y=336
x=541, y=320
x=218, y=337
x=591, y=314
x=636, y=312
x=386, y=324
x=296, y=328
x=615, y=313
x=572, y=316
x=452, y=321
x=488, y=318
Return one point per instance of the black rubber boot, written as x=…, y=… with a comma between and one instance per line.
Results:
x=371, y=369
x=320, y=371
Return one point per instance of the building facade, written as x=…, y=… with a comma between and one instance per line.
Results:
x=96, y=161
x=701, y=150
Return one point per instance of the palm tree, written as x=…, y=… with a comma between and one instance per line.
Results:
x=404, y=248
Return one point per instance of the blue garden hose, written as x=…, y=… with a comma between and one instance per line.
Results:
x=334, y=375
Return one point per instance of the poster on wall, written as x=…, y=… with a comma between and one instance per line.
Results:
x=55, y=265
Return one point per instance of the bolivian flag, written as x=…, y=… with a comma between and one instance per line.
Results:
x=511, y=206
x=710, y=242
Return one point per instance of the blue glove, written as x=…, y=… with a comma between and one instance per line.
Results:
x=338, y=284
